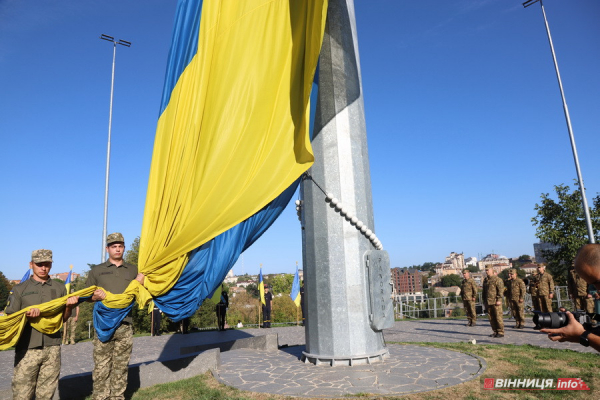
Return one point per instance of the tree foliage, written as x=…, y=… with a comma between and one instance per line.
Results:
x=473, y=268
x=561, y=222
x=132, y=255
x=451, y=280
x=252, y=290
x=282, y=283
x=5, y=287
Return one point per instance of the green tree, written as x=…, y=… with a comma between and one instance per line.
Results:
x=5, y=287
x=451, y=280
x=205, y=316
x=284, y=309
x=561, y=222
x=252, y=290
x=473, y=268
x=131, y=255
x=282, y=283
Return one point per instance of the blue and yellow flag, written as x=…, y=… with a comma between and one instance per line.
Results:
x=68, y=281
x=295, y=294
x=261, y=288
x=26, y=276
x=233, y=133
x=232, y=136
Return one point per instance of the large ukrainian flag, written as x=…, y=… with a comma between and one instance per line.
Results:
x=231, y=137
x=233, y=132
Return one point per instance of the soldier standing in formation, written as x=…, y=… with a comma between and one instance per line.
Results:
x=578, y=290
x=533, y=290
x=70, y=326
x=468, y=293
x=111, y=359
x=516, y=297
x=545, y=289
x=493, y=288
x=267, y=307
x=37, y=355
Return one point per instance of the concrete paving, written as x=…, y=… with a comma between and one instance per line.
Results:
x=409, y=369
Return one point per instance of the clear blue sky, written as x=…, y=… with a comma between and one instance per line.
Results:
x=464, y=122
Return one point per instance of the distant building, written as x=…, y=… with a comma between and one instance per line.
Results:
x=543, y=246
x=230, y=278
x=407, y=281
x=471, y=262
x=454, y=264
x=63, y=276
x=529, y=268
x=445, y=291
x=246, y=283
x=498, y=262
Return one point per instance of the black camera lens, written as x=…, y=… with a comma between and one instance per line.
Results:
x=551, y=320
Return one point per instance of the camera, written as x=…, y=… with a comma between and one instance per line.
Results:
x=554, y=320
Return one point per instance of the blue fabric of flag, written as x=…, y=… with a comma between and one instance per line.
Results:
x=183, y=45
x=107, y=320
x=26, y=276
x=295, y=294
x=209, y=264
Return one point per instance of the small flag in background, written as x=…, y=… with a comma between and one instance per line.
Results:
x=26, y=276
x=295, y=294
x=261, y=288
x=68, y=281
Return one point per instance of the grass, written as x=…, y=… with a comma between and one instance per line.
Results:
x=503, y=361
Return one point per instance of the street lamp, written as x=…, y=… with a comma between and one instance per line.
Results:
x=568, y=118
x=112, y=86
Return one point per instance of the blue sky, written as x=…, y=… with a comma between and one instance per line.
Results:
x=464, y=121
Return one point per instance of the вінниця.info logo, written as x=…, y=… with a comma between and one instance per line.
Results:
x=534, y=384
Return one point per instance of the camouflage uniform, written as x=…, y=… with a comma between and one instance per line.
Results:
x=516, y=297
x=493, y=288
x=533, y=290
x=69, y=327
x=545, y=288
x=468, y=292
x=578, y=290
x=110, y=364
x=111, y=359
x=37, y=355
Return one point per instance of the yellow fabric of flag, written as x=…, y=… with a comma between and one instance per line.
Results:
x=235, y=133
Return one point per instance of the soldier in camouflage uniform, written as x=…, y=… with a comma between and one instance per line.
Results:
x=111, y=359
x=545, y=289
x=493, y=288
x=533, y=290
x=578, y=290
x=516, y=298
x=70, y=326
x=37, y=355
x=468, y=292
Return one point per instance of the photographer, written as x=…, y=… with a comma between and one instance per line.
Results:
x=587, y=265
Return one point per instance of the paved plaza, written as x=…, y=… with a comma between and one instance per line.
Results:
x=409, y=368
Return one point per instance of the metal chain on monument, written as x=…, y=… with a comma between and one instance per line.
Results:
x=343, y=211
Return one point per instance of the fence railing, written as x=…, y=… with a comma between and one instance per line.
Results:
x=440, y=307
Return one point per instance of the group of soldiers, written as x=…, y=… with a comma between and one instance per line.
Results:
x=541, y=288
x=38, y=355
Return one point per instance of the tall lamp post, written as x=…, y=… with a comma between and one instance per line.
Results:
x=112, y=86
x=586, y=209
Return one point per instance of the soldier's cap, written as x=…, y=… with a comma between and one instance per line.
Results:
x=42, y=255
x=512, y=271
x=466, y=270
x=115, y=238
x=489, y=267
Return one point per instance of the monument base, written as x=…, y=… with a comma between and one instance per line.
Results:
x=340, y=361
